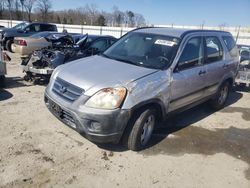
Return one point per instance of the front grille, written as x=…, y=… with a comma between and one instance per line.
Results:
x=66, y=90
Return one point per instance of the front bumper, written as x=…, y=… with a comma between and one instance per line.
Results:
x=99, y=126
x=45, y=71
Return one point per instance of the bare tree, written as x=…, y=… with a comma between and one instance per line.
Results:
x=16, y=10
x=118, y=16
x=44, y=7
x=130, y=16
x=28, y=5
x=92, y=12
x=22, y=2
x=139, y=20
x=2, y=8
x=10, y=6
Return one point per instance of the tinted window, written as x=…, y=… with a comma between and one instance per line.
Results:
x=192, y=54
x=213, y=49
x=231, y=45
x=34, y=28
x=101, y=45
x=45, y=27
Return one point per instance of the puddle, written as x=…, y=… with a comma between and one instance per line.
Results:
x=197, y=140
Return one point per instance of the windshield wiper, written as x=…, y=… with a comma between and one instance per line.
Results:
x=119, y=59
x=104, y=55
x=125, y=61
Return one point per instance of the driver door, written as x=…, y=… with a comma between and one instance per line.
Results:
x=188, y=77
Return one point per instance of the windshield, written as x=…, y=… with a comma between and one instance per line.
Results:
x=21, y=25
x=147, y=50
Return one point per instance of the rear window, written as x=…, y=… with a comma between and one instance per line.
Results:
x=231, y=45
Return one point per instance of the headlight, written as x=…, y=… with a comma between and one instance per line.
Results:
x=108, y=98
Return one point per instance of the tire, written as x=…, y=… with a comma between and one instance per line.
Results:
x=8, y=45
x=2, y=81
x=218, y=102
x=140, y=130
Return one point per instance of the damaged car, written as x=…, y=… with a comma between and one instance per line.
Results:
x=149, y=73
x=65, y=48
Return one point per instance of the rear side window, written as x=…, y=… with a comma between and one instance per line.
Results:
x=35, y=28
x=192, y=54
x=231, y=45
x=48, y=27
x=213, y=49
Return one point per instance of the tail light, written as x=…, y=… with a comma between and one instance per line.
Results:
x=22, y=42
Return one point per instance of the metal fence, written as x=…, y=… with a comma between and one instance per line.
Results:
x=242, y=34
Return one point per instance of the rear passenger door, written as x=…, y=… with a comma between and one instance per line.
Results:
x=188, y=77
x=214, y=63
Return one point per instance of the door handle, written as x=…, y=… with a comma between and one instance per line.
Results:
x=202, y=72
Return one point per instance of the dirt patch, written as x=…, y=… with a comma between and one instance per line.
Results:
x=76, y=141
x=196, y=140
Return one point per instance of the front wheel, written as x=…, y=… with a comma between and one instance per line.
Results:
x=141, y=130
x=220, y=99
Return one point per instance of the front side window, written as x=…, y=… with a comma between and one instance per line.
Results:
x=231, y=45
x=143, y=49
x=213, y=49
x=192, y=54
x=21, y=25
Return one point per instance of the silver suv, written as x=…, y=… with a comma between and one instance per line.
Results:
x=139, y=80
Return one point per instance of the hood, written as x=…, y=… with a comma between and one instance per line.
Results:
x=98, y=72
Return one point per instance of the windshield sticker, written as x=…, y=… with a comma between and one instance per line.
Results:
x=165, y=42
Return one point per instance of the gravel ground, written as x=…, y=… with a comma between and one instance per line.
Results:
x=197, y=148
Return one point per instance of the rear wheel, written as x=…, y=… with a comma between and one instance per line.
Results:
x=8, y=45
x=141, y=129
x=221, y=97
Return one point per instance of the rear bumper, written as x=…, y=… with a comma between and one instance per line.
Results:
x=22, y=50
x=99, y=126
